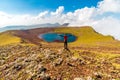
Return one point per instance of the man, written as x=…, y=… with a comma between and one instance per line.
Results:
x=65, y=36
x=65, y=41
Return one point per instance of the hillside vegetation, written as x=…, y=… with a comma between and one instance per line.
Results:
x=93, y=56
x=85, y=35
x=18, y=62
x=8, y=38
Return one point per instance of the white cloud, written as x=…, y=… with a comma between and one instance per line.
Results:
x=81, y=16
x=108, y=26
x=59, y=11
x=94, y=16
x=109, y=6
x=43, y=14
x=6, y=19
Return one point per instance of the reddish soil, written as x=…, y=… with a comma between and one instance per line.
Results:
x=32, y=34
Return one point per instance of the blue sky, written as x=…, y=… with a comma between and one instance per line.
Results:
x=102, y=15
x=36, y=6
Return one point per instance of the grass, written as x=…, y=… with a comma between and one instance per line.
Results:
x=108, y=56
x=116, y=65
x=6, y=38
x=85, y=35
x=98, y=55
x=27, y=44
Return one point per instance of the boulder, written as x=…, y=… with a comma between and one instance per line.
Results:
x=18, y=67
x=42, y=69
x=58, y=62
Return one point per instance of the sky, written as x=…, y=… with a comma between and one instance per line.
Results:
x=102, y=15
x=37, y=6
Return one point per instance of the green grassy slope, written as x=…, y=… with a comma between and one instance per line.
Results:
x=26, y=62
x=8, y=38
x=85, y=35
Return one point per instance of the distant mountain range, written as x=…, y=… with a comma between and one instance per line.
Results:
x=23, y=27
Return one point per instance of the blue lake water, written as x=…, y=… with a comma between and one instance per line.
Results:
x=57, y=37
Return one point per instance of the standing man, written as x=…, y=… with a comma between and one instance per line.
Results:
x=65, y=36
x=65, y=41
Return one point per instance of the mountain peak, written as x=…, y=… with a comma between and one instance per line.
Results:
x=25, y=27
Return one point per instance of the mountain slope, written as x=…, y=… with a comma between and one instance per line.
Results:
x=25, y=27
x=85, y=35
x=21, y=61
x=18, y=62
x=8, y=38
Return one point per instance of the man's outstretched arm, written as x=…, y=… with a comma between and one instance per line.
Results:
x=69, y=35
x=60, y=35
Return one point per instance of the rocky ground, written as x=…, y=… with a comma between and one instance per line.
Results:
x=28, y=62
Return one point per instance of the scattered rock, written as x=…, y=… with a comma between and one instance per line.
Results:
x=14, y=58
x=28, y=60
x=78, y=79
x=98, y=76
x=58, y=62
x=82, y=62
x=89, y=78
x=46, y=78
x=33, y=77
x=18, y=67
x=71, y=65
x=2, y=62
x=42, y=69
